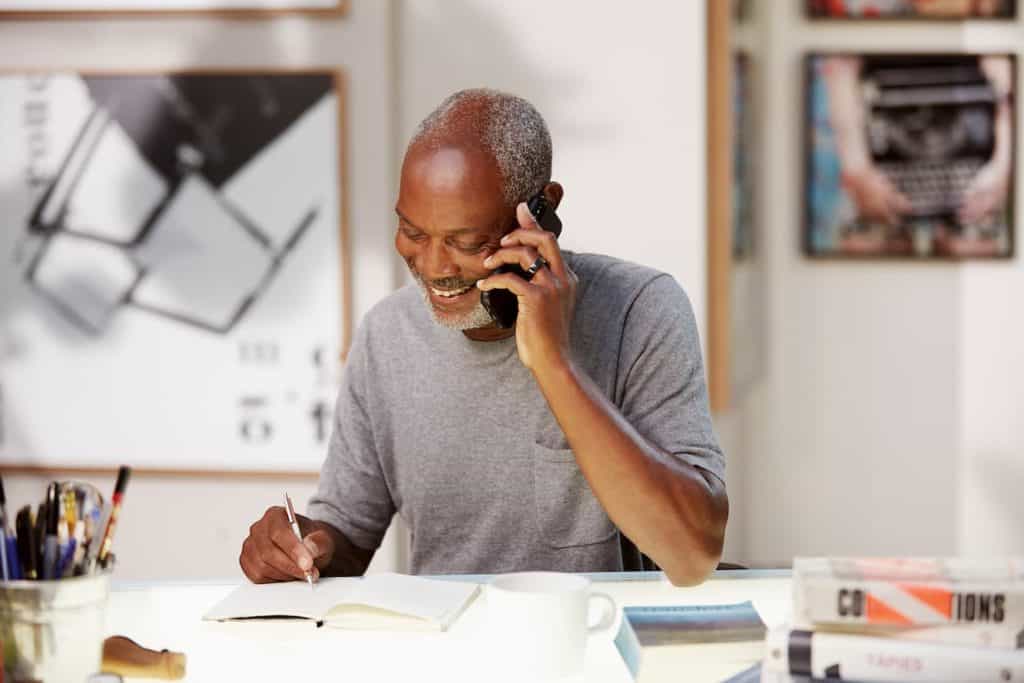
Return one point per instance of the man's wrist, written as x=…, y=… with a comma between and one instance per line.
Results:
x=559, y=369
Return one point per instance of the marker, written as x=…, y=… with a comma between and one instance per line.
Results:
x=64, y=563
x=8, y=543
x=70, y=509
x=298, y=534
x=108, y=535
x=13, y=561
x=27, y=542
x=50, y=554
x=39, y=536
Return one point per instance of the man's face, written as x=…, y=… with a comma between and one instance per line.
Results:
x=451, y=216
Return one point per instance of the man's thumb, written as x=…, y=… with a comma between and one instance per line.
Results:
x=317, y=543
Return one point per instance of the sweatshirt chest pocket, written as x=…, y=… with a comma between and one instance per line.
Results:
x=567, y=512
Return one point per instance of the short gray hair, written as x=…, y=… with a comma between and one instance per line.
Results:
x=508, y=127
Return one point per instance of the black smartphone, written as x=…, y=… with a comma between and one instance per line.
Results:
x=502, y=304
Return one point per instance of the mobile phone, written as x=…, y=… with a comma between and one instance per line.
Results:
x=502, y=304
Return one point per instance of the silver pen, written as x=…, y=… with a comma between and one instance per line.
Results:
x=298, y=534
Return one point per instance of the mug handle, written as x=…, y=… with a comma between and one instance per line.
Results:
x=609, y=618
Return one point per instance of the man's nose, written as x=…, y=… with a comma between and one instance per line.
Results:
x=437, y=262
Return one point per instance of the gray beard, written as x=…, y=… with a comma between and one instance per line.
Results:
x=475, y=318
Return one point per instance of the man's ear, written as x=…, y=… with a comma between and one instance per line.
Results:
x=553, y=193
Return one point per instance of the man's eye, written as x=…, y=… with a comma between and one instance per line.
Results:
x=414, y=235
x=473, y=248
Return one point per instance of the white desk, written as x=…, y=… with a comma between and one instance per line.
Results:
x=168, y=615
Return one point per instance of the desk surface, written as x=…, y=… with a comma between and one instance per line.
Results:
x=168, y=615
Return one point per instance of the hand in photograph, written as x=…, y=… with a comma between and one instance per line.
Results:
x=966, y=244
x=988, y=189
x=876, y=198
x=986, y=193
x=874, y=195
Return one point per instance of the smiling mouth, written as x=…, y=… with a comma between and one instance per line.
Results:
x=450, y=293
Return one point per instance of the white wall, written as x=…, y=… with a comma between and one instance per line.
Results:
x=888, y=418
x=991, y=512
x=623, y=95
x=194, y=526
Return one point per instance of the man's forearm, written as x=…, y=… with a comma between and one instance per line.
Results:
x=673, y=512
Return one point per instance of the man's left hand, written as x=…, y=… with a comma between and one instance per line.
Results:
x=545, y=302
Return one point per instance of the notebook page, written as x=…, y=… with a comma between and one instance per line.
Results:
x=429, y=599
x=290, y=598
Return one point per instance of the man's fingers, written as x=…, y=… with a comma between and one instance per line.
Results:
x=899, y=203
x=541, y=240
x=259, y=571
x=509, y=281
x=524, y=257
x=273, y=553
x=282, y=562
x=284, y=538
x=319, y=545
x=525, y=218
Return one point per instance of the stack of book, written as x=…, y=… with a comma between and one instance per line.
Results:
x=922, y=619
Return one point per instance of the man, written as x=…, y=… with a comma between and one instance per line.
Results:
x=510, y=449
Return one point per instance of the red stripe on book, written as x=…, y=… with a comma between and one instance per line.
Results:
x=878, y=612
x=939, y=599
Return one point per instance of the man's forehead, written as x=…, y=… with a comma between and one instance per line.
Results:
x=448, y=155
x=464, y=173
x=441, y=170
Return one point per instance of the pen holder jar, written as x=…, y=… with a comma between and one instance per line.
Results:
x=52, y=631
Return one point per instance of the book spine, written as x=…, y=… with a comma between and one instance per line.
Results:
x=908, y=603
x=955, y=569
x=862, y=658
x=995, y=637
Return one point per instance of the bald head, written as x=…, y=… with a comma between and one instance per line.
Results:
x=507, y=128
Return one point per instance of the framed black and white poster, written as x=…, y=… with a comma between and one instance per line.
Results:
x=53, y=8
x=910, y=155
x=174, y=290
x=912, y=9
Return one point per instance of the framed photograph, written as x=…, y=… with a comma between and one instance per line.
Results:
x=912, y=9
x=174, y=291
x=52, y=8
x=910, y=155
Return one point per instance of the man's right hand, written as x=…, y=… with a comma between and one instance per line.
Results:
x=272, y=553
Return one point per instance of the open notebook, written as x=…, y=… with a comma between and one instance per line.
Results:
x=378, y=601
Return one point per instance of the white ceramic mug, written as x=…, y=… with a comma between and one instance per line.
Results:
x=539, y=624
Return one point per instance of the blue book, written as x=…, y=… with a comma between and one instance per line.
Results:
x=672, y=624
